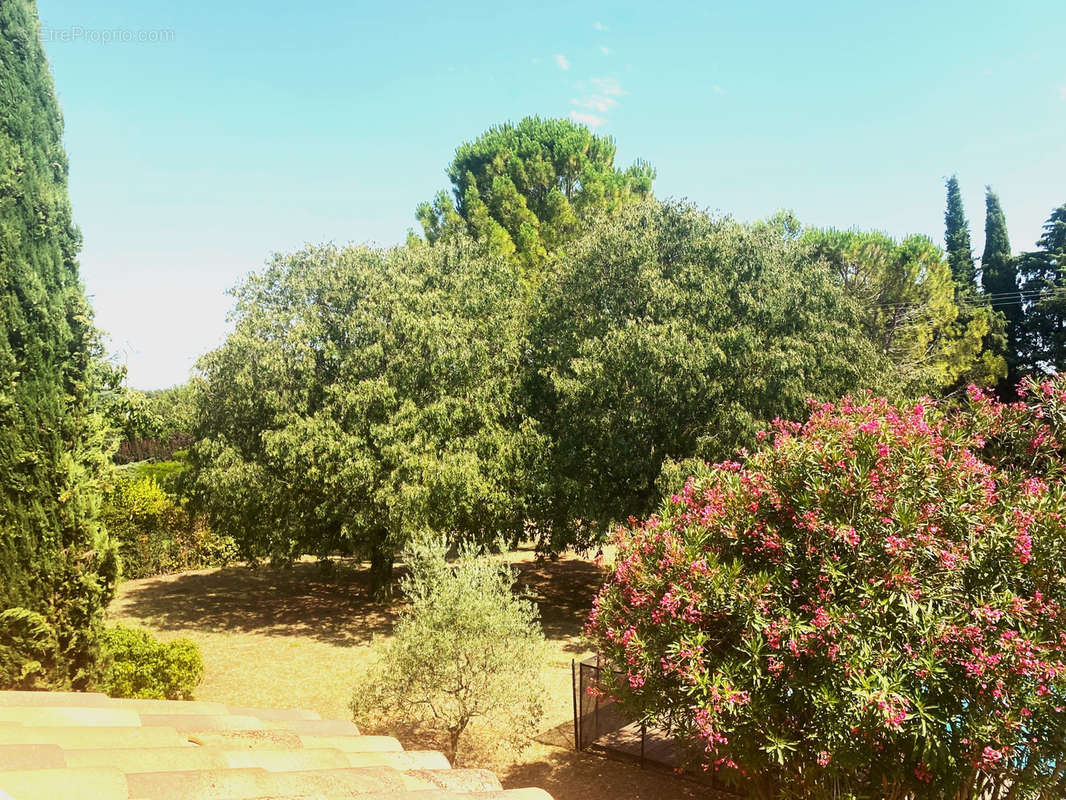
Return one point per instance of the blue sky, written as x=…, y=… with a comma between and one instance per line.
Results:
x=237, y=129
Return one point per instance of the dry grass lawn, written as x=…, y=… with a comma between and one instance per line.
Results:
x=300, y=637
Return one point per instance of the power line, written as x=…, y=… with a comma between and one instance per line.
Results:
x=995, y=300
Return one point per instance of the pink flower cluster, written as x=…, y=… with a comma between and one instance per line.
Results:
x=906, y=562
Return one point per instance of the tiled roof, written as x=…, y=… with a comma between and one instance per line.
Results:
x=75, y=746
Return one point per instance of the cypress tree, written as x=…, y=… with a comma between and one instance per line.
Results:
x=57, y=569
x=999, y=279
x=957, y=242
x=1040, y=273
x=974, y=311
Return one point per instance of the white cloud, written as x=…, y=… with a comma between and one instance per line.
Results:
x=605, y=50
x=587, y=119
x=607, y=86
x=560, y=59
x=1062, y=93
x=717, y=89
x=595, y=102
x=599, y=26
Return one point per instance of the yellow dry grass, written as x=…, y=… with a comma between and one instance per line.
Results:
x=300, y=638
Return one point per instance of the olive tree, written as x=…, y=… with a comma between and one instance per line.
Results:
x=466, y=653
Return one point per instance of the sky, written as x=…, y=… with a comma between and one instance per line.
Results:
x=204, y=136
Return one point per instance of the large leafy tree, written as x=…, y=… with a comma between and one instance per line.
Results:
x=57, y=570
x=365, y=396
x=957, y=240
x=908, y=309
x=1040, y=273
x=999, y=279
x=667, y=334
x=525, y=189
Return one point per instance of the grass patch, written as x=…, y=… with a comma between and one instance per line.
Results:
x=298, y=637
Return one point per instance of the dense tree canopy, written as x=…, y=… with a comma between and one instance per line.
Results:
x=153, y=424
x=365, y=396
x=908, y=308
x=526, y=188
x=1043, y=281
x=56, y=567
x=665, y=333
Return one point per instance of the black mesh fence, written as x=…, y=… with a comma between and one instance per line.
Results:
x=600, y=726
x=597, y=722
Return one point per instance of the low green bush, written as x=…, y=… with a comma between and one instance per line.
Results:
x=136, y=664
x=155, y=533
x=167, y=474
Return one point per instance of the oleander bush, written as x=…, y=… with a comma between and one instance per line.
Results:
x=136, y=664
x=868, y=606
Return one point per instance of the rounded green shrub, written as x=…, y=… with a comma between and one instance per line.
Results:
x=136, y=664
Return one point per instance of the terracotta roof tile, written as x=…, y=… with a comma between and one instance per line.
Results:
x=71, y=746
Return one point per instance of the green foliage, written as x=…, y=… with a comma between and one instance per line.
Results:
x=154, y=533
x=55, y=561
x=136, y=664
x=1042, y=275
x=869, y=606
x=365, y=396
x=664, y=333
x=907, y=301
x=527, y=188
x=168, y=474
x=957, y=241
x=29, y=649
x=155, y=424
x=465, y=656
x=999, y=278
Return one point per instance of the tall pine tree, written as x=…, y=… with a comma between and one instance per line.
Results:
x=57, y=569
x=957, y=242
x=999, y=279
x=977, y=321
x=1040, y=273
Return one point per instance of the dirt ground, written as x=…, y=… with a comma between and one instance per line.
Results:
x=300, y=638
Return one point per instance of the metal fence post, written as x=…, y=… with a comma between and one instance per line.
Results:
x=575, y=690
x=643, y=737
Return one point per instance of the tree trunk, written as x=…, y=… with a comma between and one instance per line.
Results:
x=381, y=561
x=454, y=734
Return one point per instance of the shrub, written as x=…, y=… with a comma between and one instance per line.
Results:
x=466, y=654
x=29, y=649
x=869, y=606
x=138, y=665
x=168, y=474
x=155, y=534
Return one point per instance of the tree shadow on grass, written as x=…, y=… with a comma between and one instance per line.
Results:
x=563, y=591
x=303, y=601
x=568, y=775
x=334, y=606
